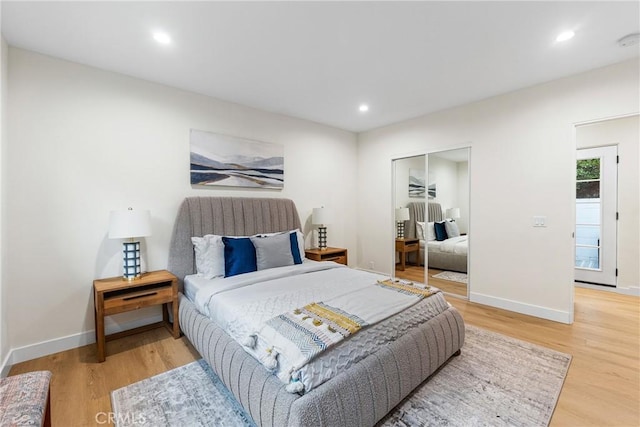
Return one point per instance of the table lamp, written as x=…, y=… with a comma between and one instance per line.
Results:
x=453, y=213
x=130, y=224
x=321, y=218
x=402, y=215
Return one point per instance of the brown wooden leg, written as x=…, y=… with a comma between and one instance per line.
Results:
x=47, y=410
x=100, y=328
x=176, y=320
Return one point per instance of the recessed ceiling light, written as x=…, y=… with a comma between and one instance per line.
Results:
x=565, y=35
x=162, y=38
x=629, y=40
x=363, y=107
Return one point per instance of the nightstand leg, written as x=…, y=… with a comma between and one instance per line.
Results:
x=100, y=335
x=176, y=321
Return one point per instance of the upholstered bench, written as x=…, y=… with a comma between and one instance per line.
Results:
x=25, y=400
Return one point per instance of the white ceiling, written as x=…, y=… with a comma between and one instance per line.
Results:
x=320, y=60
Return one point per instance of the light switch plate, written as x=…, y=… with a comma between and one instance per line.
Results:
x=539, y=221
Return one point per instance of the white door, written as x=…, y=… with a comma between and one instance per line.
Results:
x=596, y=215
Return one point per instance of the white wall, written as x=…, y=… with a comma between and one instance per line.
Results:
x=625, y=133
x=463, y=196
x=402, y=167
x=445, y=174
x=83, y=142
x=4, y=347
x=523, y=164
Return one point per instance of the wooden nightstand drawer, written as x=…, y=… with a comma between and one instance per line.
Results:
x=152, y=295
x=412, y=247
x=338, y=255
x=339, y=259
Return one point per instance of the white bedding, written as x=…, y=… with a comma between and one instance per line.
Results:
x=455, y=245
x=240, y=304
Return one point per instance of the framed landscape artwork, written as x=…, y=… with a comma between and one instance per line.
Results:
x=224, y=160
x=416, y=183
x=431, y=190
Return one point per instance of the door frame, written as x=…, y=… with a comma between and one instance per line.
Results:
x=608, y=222
x=573, y=205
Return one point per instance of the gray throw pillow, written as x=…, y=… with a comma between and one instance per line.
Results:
x=273, y=251
x=452, y=229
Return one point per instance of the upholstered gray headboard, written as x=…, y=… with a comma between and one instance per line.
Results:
x=416, y=213
x=225, y=216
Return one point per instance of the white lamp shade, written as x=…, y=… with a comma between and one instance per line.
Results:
x=321, y=216
x=129, y=223
x=453, y=213
x=402, y=214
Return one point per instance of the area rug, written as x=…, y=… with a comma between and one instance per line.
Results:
x=496, y=381
x=452, y=276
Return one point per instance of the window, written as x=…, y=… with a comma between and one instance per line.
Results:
x=588, y=214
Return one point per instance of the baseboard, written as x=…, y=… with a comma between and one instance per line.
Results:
x=6, y=366
x=519, y=307
x=56, y=345
x=633, y=291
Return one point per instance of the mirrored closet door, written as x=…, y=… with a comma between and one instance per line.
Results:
x=432, y=219
x=409, y=198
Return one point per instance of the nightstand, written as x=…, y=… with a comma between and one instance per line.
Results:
x=117, y=295
x=405, y=246
x=338, y=255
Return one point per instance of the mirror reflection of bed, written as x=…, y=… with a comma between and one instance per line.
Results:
x=444, y=201
x=447, y=254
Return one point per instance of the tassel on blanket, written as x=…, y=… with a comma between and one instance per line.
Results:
x=295, y=386
x=249, y=341
x=270, y=362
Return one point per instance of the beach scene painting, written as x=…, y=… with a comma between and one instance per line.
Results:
x=235, y=162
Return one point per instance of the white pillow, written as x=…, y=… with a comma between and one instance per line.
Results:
x=420, y=230
x=452, y=229
x=431, y=232
x=209, y=251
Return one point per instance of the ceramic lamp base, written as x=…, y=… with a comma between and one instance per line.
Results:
x=131, y=261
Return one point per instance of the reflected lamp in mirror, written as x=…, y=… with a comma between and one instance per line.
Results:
x=130, y=224
x=402, y=215
x=321, y=217
x=453, y=213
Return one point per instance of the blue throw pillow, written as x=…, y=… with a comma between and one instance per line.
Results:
x=239, y=256
x=295, y=249
x=441, y=231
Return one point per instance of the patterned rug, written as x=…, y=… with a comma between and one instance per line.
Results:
x=496, y=381
x=452, y=276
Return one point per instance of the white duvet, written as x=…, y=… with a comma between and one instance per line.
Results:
x=455, y=245
x=242, y=303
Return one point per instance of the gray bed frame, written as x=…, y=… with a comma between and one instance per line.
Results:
x=360, y=396
x=436, y=259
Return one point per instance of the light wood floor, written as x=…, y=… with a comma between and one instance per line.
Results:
x=602, y=387
x=416, y=274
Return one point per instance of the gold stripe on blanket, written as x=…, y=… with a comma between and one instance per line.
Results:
x=340, y=320
x=406, y=288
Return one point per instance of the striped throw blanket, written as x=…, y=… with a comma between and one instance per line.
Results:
x=294, y=338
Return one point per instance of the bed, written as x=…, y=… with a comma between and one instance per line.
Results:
x=362, y=394
x=449, y=255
